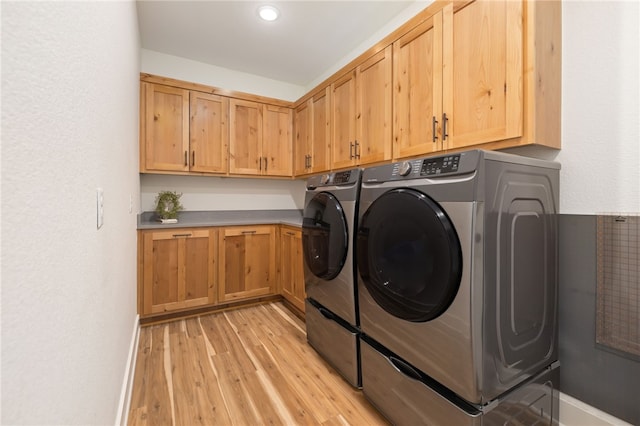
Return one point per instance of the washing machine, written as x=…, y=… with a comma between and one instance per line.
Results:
x=457, y=271
x=328, y=236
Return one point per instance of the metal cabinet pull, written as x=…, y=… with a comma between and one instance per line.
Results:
x=186, y=156
x=350, y=150
x=445, y=121
x=193, y=158
x=434, y=129
x=309, y=166
x=357, y=156
x=404, y=368
x=266, y=164
x=181, y=235
x=260, y=163
x=249, y=232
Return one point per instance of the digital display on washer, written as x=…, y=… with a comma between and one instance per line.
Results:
x=342, y=177
x=436, y=166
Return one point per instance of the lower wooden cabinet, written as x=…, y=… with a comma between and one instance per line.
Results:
x=247, y=256
x=291, y=271
x=178, y=269
x=181, y=269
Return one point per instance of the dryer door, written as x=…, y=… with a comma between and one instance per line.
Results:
x=324, y=236
x=409, y=255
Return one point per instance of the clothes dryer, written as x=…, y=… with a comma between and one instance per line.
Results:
x=328, y=226
x=457, y=269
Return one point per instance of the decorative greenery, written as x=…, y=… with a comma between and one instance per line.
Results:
x=168, y=204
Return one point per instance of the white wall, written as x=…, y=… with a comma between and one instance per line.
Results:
x=69, y=125
x=601, y=113
x=214, y=193
x=197, y=72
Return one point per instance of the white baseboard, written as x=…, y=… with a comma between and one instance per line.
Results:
x=574, y=412
x=127, y=383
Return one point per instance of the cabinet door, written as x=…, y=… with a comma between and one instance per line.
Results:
x=320, y=130
x=209, y=134
x=178, y=269
x=483, y=72
x=417, y=97
x=166, y=128
x=343, y=121
x=245, y=137
x=247, y=262
x=277, y=153
x=291, y=272
x=373, y=79
x=302, y=138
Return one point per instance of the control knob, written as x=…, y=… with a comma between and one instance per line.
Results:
x=404, y=169
x=324, y=179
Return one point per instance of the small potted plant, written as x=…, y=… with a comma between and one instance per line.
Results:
x=167, y=206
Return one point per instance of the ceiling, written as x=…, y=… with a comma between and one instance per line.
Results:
x=307, y=39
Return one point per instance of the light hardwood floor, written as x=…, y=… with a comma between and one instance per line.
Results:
x=250, y=366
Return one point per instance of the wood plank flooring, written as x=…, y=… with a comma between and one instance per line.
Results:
x=250, y=366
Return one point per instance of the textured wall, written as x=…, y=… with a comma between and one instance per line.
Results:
x=600, y=107
x=69, y=125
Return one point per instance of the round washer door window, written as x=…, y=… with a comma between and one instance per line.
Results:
x=324, y=236
x=409, y=255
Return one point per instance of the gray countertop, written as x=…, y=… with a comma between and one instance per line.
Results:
x=147, y=220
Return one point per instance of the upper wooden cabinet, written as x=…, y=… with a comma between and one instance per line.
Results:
x=361, y=119
x=302, y=139
x=312, y=136
x=165, y=146
x=277, y=144
x=245, y=139
x=482, y=73
x=260, y=141
x=417, y=96
x=209, y=133
x=182, y=130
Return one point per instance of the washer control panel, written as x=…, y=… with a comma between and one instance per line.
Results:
x=427, y=167
x=436, y=166
x=341, y=177
x=344, y=178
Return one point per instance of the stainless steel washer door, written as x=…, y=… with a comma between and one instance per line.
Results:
x=325, y=236
x=409, y=255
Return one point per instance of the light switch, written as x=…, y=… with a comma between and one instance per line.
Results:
x=100, y=206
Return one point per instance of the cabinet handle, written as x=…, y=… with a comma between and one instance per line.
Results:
x=249, y=232
x=289, y=233
x=309, y=166
x=260, y=163
x=357, y=150
x=186, y=156
x=193, y=158
x=445, y=121
x=181, y=235
x=266, y=164
x=350, y=150
x=434, y=129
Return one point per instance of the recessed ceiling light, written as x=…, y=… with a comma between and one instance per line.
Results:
x=268, y=13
